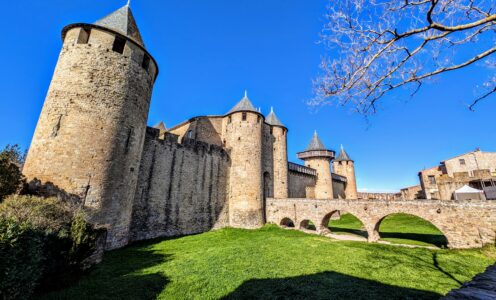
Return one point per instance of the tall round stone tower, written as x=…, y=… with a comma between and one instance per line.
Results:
x=343, y=165
x=280, y=156
x=89, y=138
x=243, y=138
x=318, y=157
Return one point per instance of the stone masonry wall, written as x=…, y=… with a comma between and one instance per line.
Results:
x=91, y=130
x=280, y=162
x=181, y=188
x=244, y=140
x=466, y=224
x=347, y=169
x=323, y=185
x=298, y=184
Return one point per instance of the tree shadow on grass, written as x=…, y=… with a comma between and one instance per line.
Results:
x=325, y=285
x=438, y=240
x=120, y=276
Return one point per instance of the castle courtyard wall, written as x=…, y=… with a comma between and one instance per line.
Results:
x=181, y=188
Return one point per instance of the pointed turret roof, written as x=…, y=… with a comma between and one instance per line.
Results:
x=343, y=156
x=161, y=126
x=243, y=105
x=122, y=21
x=272, y=119
x=315, y=143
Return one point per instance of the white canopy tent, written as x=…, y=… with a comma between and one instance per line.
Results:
x=469, y=193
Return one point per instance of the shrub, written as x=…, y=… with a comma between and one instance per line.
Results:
x=11, y=178
x=43, y=244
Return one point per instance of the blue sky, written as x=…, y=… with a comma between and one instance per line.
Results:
x=209, y=52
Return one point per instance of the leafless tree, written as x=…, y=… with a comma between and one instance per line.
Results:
x=381, y=45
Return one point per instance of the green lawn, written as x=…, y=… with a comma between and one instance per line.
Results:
x=397, y=228
x=273, y=263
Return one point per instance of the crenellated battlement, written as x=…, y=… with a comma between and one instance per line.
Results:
x=190, y=144
x=87, y=37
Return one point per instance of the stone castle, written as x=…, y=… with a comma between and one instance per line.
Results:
x=92, y=143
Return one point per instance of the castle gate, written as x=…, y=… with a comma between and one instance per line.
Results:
x=465, y=224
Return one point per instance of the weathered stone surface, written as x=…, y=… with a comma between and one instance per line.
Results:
x=347, y=169
x=462, y=222
x=182, y=188
x=91, y=130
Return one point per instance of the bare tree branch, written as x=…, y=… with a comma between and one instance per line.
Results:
x=381, y=45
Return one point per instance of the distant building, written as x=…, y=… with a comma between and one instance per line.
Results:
x=412, y=192
x=476, y=169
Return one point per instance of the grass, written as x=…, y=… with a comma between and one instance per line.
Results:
x=397, y=228
x=273, y=263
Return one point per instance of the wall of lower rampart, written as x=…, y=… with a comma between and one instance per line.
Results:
x=299, y=183
x=181, y=188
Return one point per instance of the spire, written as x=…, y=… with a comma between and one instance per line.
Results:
x=161, y=126
x=272, y=119
x=315, y=143
x=122, y=21
x=243, y=105
x=343, y=156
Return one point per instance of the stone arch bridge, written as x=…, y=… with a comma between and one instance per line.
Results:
x=465, y=224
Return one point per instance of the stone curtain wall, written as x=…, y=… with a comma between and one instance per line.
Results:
x=298, y=183
x=181, y=188
x=466, y=224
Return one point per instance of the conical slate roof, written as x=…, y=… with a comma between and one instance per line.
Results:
x=243, y=105
x=272, y=119
x=315, y=143
x=343, y=156
x=122, y=21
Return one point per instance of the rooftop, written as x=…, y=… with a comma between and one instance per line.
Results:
x=122, y=21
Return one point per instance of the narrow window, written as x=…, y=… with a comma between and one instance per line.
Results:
x=432, y=179
x=119, y=44
x=271, y=130
x=84, y=36
x=462, y=162
x=258, y=119
x=229, y=120
x=146, y=62
x=244, y=116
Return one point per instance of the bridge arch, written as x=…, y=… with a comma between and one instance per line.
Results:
x=308, y=225
x=346, y=222
x=287, y=222
x=414, y=227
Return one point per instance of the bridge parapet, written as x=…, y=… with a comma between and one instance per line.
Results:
x=465, y=224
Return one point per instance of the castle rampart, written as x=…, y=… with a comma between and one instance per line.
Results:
x=181, y=188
